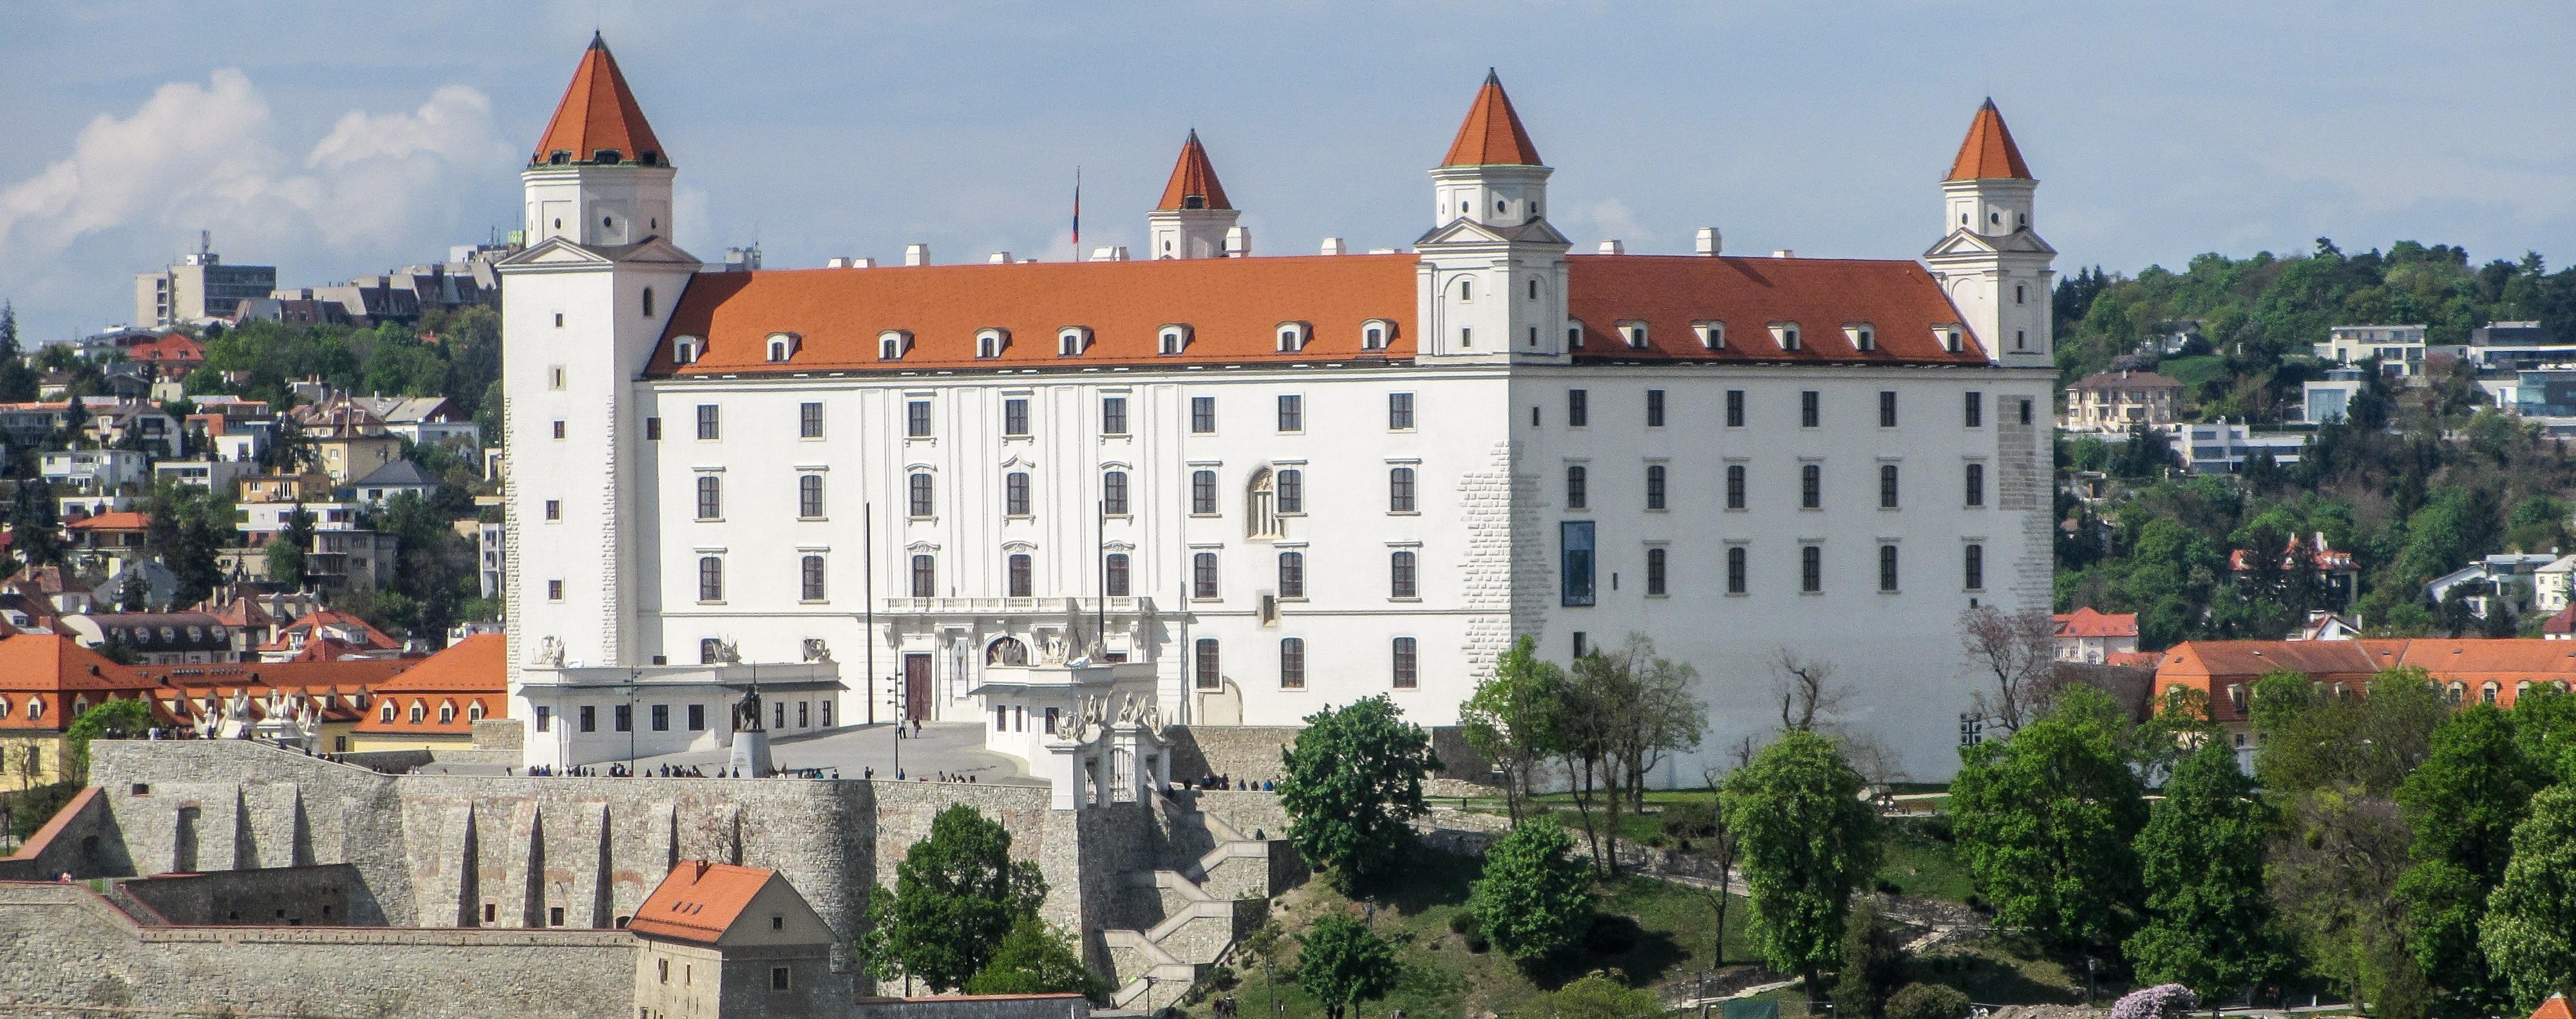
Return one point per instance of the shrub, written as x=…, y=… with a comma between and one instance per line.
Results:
x=1927, y=1001
x=2163, y=1001
x=1462, y=922
x=1690, y=819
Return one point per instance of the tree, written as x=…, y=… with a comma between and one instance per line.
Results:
x=2529, y=934
x=1341, y=963
x=35, y=533
x=1593, y=997
x=1533, y=897
x=1873, y=965
x=2019, y=650
x=1622, y=712
x=17, y=380
x=1928, y=1001
x=1511, y=719
x=1808, y=842
x=1350, y=783
x=1034, y=959
x=286, y=550
x=2046, y=823
x=2209, y=924
x=957, y=895
x=1806, y=690
x=28, y=763
x=115, y=718
x=2463, y=804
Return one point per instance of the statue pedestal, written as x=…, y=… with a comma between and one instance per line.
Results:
x=750, y=755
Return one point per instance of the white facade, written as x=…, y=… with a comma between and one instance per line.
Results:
x=96, y=470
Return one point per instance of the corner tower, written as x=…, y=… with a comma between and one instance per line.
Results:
x=1992, y=263
x=1193, y=219
x=598, y=175
x=1492, y=271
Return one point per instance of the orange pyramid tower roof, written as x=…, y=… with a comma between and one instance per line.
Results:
x=1492, y=134
x=1989, y=151
x=598, y=114
x=1193, y=177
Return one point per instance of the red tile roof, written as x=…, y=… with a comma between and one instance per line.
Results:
x=598, y=112
x=313, y=627
x=2084, y=622
x=1988, y=151
x=2563, y=622
x=473, y=671
x=1193, y=177
x=1492, y=134
x=2126, y=380
x=2209, y=665
x=698, y=901
x=121, y=520
x=52, y=670
x=2554, y=1008
x=1897, y=299
x=174, y=348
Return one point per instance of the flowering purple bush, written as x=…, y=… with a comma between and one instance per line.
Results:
x=2163, y=1001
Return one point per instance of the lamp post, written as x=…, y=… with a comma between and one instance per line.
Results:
x=633, y=677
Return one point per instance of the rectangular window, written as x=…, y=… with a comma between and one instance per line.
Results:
x=809, y=496
x=1113, y=415
x=710, y=578
x=1735, y=486
x=624, y=715
x=1887, y=408
x=1292, y=574
x=545, y=719
x=661, y=718
x=1407, y=664
x=652, y=429
x=778, y=978
x=810, y=578
x=1015, y=417
x=1204, y=665
x=1292, y=490
x=1404, y=579
x=1976, y=567
x=589, y=718
x=1399, y=490
x=554, y=509
x=809, y=420
x=1811, y=569
x=1203, y=492
x=1810, y=409
x=1113, y=493
x=2025, y=411
x=1292, y=413
x=1292, y=663
x=1654, y=486
x=1399, y=412
x=1976, y=410
x=1811, y=486
x=1202, y=415
x=1578, y=408
x=559, y=429
x=916, y=419
x=1976, y=484
x=1887, y=568
x=710, y=496
x=1655, y=572
x=1020, y=579
x=1734, y=408
x=918, y=488
x=1114, y=577
x=1887, y=486
x=697, y=718
x=925, y=577
x=1203, y=575
x=1577, y=486
x=554, y=590
x=710, y=422
x=1735, y=569
x=1575, y=564
x=1015, y=493
x=1654, y=408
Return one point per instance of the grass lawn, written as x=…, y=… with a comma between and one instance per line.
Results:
x=2192, y=371
x=1921, y=865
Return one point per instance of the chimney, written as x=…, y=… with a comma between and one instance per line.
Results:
x=998, y=258
x=916, y=254
x=1238, y=242
x=1710, y=243
x=1613, y=247
x=1333, y=246
x=1783, y=253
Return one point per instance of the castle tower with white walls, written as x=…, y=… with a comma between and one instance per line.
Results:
x=1194, y=217
x=1492, y=271
x=1992, y=263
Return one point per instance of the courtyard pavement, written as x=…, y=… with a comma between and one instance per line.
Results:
x=953, y=749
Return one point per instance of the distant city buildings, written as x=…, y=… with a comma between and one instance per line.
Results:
x=2398, y=348
x=197, y=289
x=2121, y=400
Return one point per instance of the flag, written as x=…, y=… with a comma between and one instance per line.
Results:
x=1077, y=214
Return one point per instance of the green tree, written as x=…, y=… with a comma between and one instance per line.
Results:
x=1534, y=896
x=957, y=894
x=115, y=718
x=1511, y=719
x=1034, y=959
x=1808, y=841
x=1927, y=1001
x=35, y=531
x=2529, y=934
x=1873, y=965
x=287, y=548
x=1350, y=783
x=1341, y=963
x=2463, y=805
x=2047, y=821
x=17, y=380
x=2208, y=921
x=1593, y=997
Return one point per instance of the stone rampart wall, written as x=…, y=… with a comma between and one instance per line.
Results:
x=322, y=895
x=974, y=1006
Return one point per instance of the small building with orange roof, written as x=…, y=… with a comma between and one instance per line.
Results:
x=328, y=634
x=435, y=703
x=46, y=682
x=2094, y=637
x=716, y=939
x=2485, y=670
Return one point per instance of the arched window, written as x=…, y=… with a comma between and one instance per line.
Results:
x=1261, y=506
x=2236, y=698
x=989, y=343
x=782, y=346
x=710, y=496
x=1006, y=651
x=35, y=708
x=385, y=712
x=4, y=707
x=684, y=350
x=447, y=713
x=810, y=577
x=418, y=711
x=1403, y=576
x=1020, y=580
x=2456, y=693
x=919, y=490
x=1374, y=334
x=892, y=344
x=809, y=496
x=710, y=578
x=1575, y=494
x=1173, y=339
x=925, y=577
x=1399, y=490
x=648, y=302
x=2487, y=693
x=474, y=712
x=1292, y=337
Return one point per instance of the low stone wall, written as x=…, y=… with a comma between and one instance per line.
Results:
x=1251, y=753
x=978, y=1006
x=63, y=947
x=393, y=762
x=271, y=896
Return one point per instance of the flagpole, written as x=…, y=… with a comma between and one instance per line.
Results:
x=1077, y=213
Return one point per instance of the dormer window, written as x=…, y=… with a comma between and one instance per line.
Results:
x=1375, y=333
x=989, y=343
x=1949, y=337
x=1634, y=333
x=782, y=346
x=1574, y=335
x=892, y=344
x=1172, y=339
x=1863, y=338
x=1785, y=334
x=1071, y=341
x=684, y=350
x=1712, y=335
x=1292, y=336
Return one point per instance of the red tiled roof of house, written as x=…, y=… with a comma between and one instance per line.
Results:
x=598, y=113
x=173, y=348
x=1193, y=177
x=1897, y=299
x=469, y=673
x=121, y=520
x=1988, y=151
x=51, y=670
x=311, y=626
x=2563, y=622
x=2210, y=665
x=698, y=901
x=2134, y=659
x=2084, y=622
x=2553, y=1008
x=1492, y=133
x=2126, y=380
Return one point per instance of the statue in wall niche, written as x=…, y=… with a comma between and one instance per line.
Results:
x=1053, y=648
x=1006, y=651
x=746, y=712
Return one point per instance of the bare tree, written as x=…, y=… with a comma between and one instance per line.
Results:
x=1806, y=690
x=1625, y=710
x=2020, y=651
x=1722, y=846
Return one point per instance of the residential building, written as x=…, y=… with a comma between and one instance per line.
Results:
x=2489, y=578
x=2546, y=392
x=298, y=307
x=2095, y=637
x=328, y=635
x=2398, y=348
x=425, y=420
x=307, y=487
x=221, y=476
x=718, y=939
x=269, y=517
x=2121, y=400
x=2324, y=400
x=169, y=357
x=2550, y=585
x=313, y=705
x=2468, y=670
x=492, y=551
x=2513, y=346
x=2324, y=625
x=2325, y=565
x=111, y=538
x=46, y=682
x=391, y=480
x=2560, y=625
x=93, y=470
x=434, y=704
x=1326, y=477
x=159, y=638
x=2222, y=447
x=198, y=288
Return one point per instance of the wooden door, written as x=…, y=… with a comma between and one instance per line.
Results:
x=916, y=688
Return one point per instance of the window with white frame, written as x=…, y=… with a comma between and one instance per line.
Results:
x=1399, y=490
x=1656, y=575
x=782, y=346
x=1292, y=336
x=1712, y=335
x=810, y=578
x=1399, y=412
x=1375, y=334
x=989, y=343
x=1172, y=339
x=809, y=420
x=1574, y=335
x=1021, y=578
x=1113, y=415
x=1291, y=483
x=1407, y=665
x=1071, y=341
x=1292, y=663
x=1949, y=337
x=1203, y=493
x=1203, y=575
x=710, y=578
x=918, y=492
x=925, y=576
x=684, y=350
x=809, y=496
x=892, y=344
x=1634, y=333
x=1015, y=417
x=1863, y=336
x=1015, y=494
x=1785, y=334
x=1292, y=575
x=710, y=496
x=1292, y=412
x=1404, y=577
x=916, y=419
x=1203, y=662
x=1113, y=493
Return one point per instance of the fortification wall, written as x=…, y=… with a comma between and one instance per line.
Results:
x=81, y=840
x=322, y=895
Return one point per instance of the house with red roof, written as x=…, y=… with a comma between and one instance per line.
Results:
x=46, y=682
x=435, y=703
x=2095, y=637
x=328, y=635
x=170, y=357
x=720, y=939
x=2497, y=671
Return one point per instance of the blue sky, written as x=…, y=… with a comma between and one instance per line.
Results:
x=337, y=139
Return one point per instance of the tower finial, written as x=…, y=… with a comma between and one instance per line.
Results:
x=596, y=42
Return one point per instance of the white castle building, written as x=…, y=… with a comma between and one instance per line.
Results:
x=1236, y=489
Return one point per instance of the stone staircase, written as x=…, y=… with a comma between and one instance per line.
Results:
x=1212, y=885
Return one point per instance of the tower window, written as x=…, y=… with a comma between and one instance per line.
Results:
x=710, y=579
x=1736, y=568
x=2020, y=291
x=1204, y=664
x=1399, y=490
x=1113, y=493
x=1576, y=494
x=1887, y=569
x=1292, y=574
x=1292, y=663
x=1811, y=569
x=920, y=494
x=1403, y=575
x=809, y=496
x=648, y=302
x=1203, y=575
x=1114, y=574
x=1015, y=494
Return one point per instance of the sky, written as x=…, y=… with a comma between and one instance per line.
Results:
x=337, y=139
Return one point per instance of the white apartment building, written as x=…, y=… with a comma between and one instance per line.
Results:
x=1244, y=488
x=2399, y=348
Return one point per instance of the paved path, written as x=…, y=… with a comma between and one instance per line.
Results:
x=951, y=748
